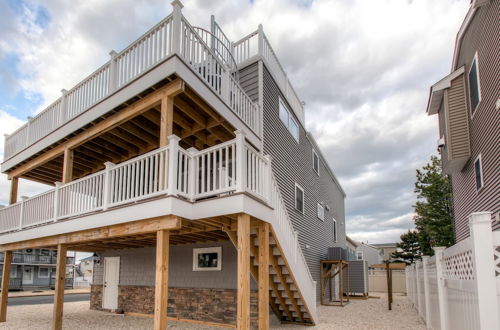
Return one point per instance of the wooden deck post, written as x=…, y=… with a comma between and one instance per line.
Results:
x=161, y=284
x=57, y=317
x=167, y=119
x=243, y=305
x=263, y=234
x=14, y=183
x=5, y=285
x=67, y=175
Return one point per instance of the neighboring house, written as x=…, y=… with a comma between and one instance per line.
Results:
x=467, y=104
x=386, y=250
x=36, y=269
x=370, y=253
x=184, y=160
x=351, y=248
x=85, y=268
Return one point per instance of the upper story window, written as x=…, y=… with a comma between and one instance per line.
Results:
x=478, y=169
x=299, y=198
x=474, y=87
x=315, y=162
x=43, y=272
x=334, y=230
x=359, y=255
x=321, y=212
x=287, y=119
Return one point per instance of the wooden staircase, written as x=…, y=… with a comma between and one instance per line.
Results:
x=285, y=298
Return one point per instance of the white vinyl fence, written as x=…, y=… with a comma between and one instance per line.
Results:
x=459, y=287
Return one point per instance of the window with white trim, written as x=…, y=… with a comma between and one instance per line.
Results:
x=334, y=230
x=359, y=255
x=474, y=87
x=43, y=272
x=315, y=162
x=299, y=198
x=478, y=169
x=321, y=212
x=288, y=120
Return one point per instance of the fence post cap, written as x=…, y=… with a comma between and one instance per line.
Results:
x=113, y=53
x=239, y=132
x=173, y=137
x=109, y=164
x=439, y=248
x=479, y=217
x=177, y=3
x=192, y=150
x=64, y=91
x=58, y=183
x=24, y=198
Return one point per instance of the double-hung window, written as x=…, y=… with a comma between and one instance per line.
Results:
x=43, y=272
x=321, y=212
x=315, y=162
x=299, y=198
x=474, y=86
x=288, y=120
x=478, y=169
x=334, y=230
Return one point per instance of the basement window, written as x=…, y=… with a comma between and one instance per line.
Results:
x=474, y=87
x=299, y=198
x=207, y=259
x=478, y=169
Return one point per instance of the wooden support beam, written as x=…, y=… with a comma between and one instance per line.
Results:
x=67, y=174
x=14, y=184
x=166, y=120
x=263, y=237
x=151, y=225
x=243, y=299
x=7, y=260
x=171, y=89
x=161, y=284
x=57, y=317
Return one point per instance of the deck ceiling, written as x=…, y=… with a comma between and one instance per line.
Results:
x=197, y=125
x=198, y=231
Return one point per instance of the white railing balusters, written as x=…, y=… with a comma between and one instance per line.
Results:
x=56, y=199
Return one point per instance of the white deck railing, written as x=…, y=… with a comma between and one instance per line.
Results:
x=459, y=287
x=231, y=167
x=257, y=44
x=173, y=35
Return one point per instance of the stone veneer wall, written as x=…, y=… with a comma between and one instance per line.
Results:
x=211, y=305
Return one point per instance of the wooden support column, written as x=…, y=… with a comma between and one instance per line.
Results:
x=57, y=318
x=161, y=284
x=67, y=166
x=5, y=285
x=263, y=236
x=14, y=183
x=243, y=304
x=167, y=119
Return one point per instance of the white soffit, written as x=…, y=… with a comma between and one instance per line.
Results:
x=437, y=91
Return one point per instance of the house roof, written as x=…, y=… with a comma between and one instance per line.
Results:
x=353, y=242
x=382, y=245
x=369, y=245
x=437, y=91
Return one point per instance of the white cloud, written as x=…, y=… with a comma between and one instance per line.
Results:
x=363, y=68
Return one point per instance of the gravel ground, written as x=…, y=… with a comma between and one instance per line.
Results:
x=359, y=314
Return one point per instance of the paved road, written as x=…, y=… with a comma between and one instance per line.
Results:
x=37, y=300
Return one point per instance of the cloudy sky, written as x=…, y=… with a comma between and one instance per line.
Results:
x=363, y=68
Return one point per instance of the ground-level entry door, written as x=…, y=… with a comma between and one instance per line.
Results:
x=28, y=275
x=111, y=279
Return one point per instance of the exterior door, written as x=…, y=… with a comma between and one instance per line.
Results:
x=28, y=275
x=111, y=280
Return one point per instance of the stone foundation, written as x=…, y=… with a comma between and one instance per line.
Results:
x=211, y=305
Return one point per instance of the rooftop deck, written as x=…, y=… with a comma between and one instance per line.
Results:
x=211, y=55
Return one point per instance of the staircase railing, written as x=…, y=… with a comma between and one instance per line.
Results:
x=173, y=35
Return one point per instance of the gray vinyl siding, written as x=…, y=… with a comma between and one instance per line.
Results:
x=481, y=36
x=137, y=267
x=249, y=81
x=292, y=163
x=371, y=255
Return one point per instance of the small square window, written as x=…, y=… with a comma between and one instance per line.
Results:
x=334, y=230
x=315, y=162
x=474, y=87
x=207, y=259
x=43, y=272
x=299, y=198
x=321, y=212
x=359, y=255
x=478, y=169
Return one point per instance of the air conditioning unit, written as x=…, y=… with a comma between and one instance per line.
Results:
x=440, y=142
